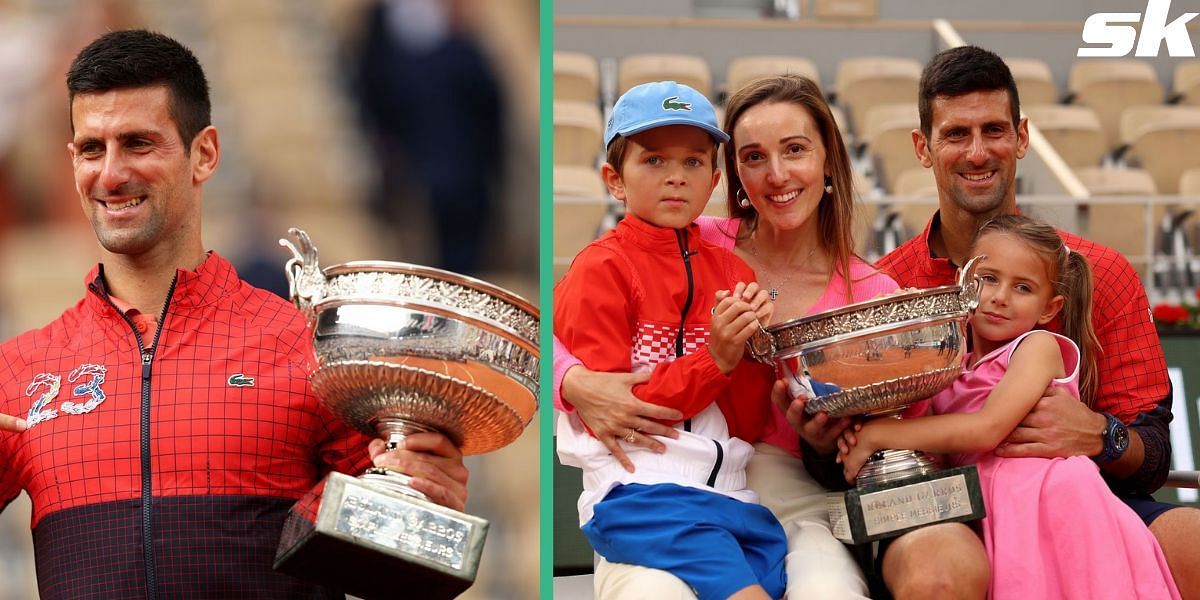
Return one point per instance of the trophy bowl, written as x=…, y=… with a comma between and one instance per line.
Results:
x=401, y=349
x=874, y=359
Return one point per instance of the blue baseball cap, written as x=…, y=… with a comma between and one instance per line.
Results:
x=658, y=104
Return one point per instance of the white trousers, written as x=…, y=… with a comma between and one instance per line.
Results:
x=818, y=565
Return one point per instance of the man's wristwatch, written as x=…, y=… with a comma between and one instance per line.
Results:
x=1116, y=440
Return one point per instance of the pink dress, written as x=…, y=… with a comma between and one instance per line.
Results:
x=1053, y=528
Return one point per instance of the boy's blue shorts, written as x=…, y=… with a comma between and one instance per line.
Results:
x=716, y=544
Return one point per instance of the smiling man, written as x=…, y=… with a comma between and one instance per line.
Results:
x=168, y=425
x=972, y=136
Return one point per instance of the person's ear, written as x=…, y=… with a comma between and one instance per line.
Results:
x=1052, y=308
x=921, y=147
x=715, y=180
x=1022, y=137
x=613, y=181
x=206, y=154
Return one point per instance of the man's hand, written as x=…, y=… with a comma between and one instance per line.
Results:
x=11, y=423
x=820, y=430
x=1058, y=426
x=433, y=462
x=606, y=404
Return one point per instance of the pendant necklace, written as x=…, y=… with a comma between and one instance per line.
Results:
x=773, y=290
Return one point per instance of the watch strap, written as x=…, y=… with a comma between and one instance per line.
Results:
x=1115, y=438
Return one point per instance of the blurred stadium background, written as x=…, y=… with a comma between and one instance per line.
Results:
x=299, y=149
x=1112, y=154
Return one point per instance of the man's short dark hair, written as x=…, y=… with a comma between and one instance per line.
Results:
x=138, y=58
x=960, y=71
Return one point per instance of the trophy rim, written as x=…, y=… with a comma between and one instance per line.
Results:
x=387, y=266
x=933, y=320
x=866, y=304
x=489, y=325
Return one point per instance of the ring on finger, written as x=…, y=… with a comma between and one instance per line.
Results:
x=630, y=438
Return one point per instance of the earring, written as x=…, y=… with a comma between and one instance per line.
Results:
x=828, y=185
x=743, y=201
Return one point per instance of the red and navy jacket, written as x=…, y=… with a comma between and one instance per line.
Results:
x=162, y=465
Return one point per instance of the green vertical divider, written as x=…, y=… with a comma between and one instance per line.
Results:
x=546, y=279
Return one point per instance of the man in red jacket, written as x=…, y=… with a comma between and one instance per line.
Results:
x=972, y=135
x=164, y=425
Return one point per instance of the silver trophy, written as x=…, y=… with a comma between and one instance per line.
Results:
x=874, y=359
x=402, y=349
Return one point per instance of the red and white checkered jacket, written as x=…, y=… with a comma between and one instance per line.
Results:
x=164, y=466
x=640, y=298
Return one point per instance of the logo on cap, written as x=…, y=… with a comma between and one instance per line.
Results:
x=672, y=104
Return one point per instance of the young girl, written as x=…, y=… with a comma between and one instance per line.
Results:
x=1053, y=529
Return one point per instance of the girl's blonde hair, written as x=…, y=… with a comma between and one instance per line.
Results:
x=836, y=210
x=1071, y=276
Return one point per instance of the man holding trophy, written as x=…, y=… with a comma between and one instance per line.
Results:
x=164, y=425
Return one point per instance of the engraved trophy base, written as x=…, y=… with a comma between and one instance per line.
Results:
x=373, y=542
x=872, y=512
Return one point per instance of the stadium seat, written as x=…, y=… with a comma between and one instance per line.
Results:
x=1109, y=86
x=1035, y=82
x=576, y=221
x=748, y=68
x=1163, y=140
x=1185, y=85
x=1189, y=183
x=918, y=182
x=576, y=77
x=572, y=180
x=873, y=80
x=1073, y=130
x=578, y=133
x=887, y=132
x=580, y=203
x=690, y=70
x=1119, y=226
x=1102, y=181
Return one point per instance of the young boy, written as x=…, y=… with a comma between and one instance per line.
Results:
x=641, y=298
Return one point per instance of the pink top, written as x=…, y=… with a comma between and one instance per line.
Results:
x=866, y=283
x=969, y=392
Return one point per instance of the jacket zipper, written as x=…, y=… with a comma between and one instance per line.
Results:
x=712, y=476
x=147, y=359
x=681, y=237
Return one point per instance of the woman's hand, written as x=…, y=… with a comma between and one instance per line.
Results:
x=606, y=404
x=820, y=431
x=434, y=463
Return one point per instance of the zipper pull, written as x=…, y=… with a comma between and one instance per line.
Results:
x=147, y=358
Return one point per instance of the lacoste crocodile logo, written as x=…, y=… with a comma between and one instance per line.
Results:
x=240, y=380
x=673, y=104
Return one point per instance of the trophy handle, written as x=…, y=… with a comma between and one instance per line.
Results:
x=970, y=283
x=306, y=282
x=762, y=346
